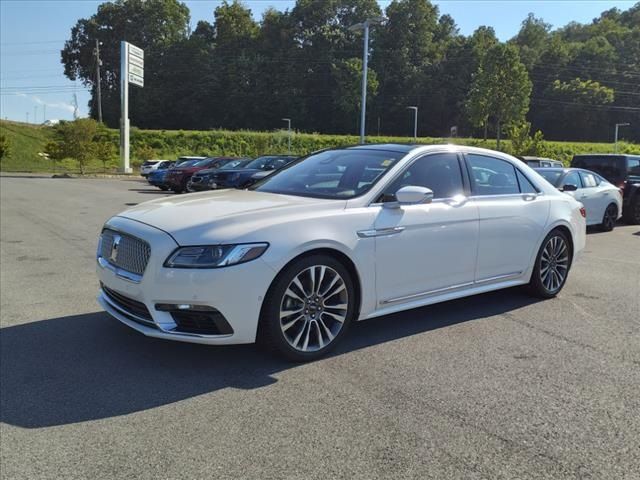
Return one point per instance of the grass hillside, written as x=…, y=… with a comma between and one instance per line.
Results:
x=28, y=140
x=25, y=141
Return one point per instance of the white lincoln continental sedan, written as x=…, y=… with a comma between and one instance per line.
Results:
x=338, y=236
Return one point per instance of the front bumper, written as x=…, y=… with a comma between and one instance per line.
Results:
x=199, y=186
x=236, y=292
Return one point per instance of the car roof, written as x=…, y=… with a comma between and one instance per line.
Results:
x=389, y=147
x=612, y=155
x=546, y=159
x=555, y=169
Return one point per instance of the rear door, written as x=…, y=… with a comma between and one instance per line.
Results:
x=594, y=198
x=512, y=215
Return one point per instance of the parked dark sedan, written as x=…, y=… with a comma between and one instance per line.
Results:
x=200, y=180
x=244, y=177
x=178, y=177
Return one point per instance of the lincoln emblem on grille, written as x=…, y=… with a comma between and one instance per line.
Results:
x=114, y=247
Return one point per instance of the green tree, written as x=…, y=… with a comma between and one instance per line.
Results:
x=501, y=89
x=153, y=25
x=75, y=140
x=5, y=146
x=347, y=76
x=531, y=40
x=523, y=143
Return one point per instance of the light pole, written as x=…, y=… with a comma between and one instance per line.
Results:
x=288, y=120
x=365, y=62
x=616, y=139
x=415, y=123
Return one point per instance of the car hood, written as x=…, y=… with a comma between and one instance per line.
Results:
x=225, y=215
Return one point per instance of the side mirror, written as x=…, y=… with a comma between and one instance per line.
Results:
x=411, y=195
x=569, y=187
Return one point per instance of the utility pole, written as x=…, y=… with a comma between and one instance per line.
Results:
x=98, y=81
x=35, y=114
x=288, y=120
x=75, y=106
x=44, y=113
x=365, y=63
x=415, y=123
x=616, y=136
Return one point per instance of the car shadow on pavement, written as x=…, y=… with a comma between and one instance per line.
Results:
x=87, y=367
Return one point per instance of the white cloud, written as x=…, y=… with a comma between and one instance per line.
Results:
x=61, y=105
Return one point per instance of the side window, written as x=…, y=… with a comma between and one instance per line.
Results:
x=492, y=176
x=572, y=179
x=588, y=180
x=439, y=172
x=525, y=185
x=634, y=166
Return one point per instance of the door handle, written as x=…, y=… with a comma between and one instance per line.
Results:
x=456, y=201
x=380, y=232
x=529, y=197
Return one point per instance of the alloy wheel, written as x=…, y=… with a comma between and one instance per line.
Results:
x=314, y=308
x=610, y=215
x=554, y=263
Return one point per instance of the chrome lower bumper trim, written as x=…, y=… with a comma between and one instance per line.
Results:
x=149, y=328
x=132, y=277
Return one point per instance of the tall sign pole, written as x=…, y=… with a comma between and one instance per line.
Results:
x=131, y=71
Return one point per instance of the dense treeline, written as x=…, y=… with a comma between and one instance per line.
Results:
x=234, y=72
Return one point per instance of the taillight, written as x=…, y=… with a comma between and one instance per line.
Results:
x=621, y=185
x=583, y=212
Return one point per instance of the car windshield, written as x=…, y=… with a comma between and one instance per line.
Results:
x=234, y=164
x=188, y=163
x=204, y=163
x=268, y=163
x=334, y=174
x=551, y=176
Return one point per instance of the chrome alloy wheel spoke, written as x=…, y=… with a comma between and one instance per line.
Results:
x=554, y=263
x=313, y=309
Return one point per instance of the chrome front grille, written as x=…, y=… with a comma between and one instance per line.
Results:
x=124, y=251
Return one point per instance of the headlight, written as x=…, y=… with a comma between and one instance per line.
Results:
x=215, y=256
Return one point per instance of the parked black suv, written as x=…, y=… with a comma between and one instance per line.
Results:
x=621, y=170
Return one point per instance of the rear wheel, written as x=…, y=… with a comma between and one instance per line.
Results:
x=609, y=218
x=308, y=308
x=164, y=188
x=552, y=265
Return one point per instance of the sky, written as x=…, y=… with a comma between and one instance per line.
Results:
x=32, y=33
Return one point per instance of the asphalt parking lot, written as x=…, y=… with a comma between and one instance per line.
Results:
x=494, y=386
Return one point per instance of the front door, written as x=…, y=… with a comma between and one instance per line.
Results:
x=430, y=248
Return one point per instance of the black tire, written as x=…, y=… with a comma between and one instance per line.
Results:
x=271, y=333
x=631, y=214
x=609, y=218
x=164, y=189
x=177, y=190
x=537, y=285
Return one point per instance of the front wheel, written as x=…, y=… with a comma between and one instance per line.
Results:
x=609, y=218
x=552, y=265
x=308, y=308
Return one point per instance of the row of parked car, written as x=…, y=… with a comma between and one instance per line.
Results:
x=607, y=185
x=194, y=174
